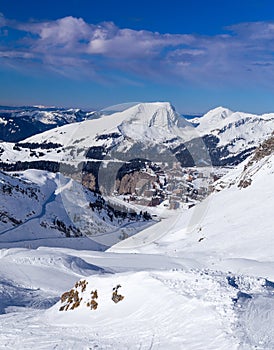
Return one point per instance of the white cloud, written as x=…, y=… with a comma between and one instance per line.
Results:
x=254, y=30
x=112, y=41
x=243, y=54
x=63, y=33
x=16, y=54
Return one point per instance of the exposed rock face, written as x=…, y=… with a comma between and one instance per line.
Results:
x=244, y=178
x=83, y=295
x=89, y=181
x=264, y=150
x=245, y=183
x=135, y=181
x=116, y=298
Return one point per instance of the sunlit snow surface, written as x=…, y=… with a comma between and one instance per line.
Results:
x=180, y=292
x=38, y=197
x=148, y=123
x=202, y=279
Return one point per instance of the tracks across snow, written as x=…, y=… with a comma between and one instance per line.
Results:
x=179, y=307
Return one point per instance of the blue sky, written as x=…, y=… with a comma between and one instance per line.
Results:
x=92, y=54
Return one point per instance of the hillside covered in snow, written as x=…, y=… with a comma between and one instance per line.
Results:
x=41, y=208
x=221, y=137
x=80, y=269
x=142, y=152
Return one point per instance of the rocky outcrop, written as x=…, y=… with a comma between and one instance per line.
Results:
x=137, y=181
x=265, y=150
x=83, y=295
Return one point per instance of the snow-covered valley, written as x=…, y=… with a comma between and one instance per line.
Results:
x=191, y=279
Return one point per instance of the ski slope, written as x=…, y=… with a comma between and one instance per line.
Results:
x=236, y=223
x=41, y=208
x=199, y=280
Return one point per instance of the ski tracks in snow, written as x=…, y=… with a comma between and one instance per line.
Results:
x=243, y=304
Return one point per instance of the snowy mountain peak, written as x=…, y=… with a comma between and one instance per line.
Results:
x=230, y=137
x=218, y=111
x=158, y=114
x=216, y=116
x=152, y=122
x=236, y=133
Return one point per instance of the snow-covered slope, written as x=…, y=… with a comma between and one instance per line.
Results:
x=130, y=122
x=146, y=128
x=198, y=279
x=235, y=222
x=41, y=208
x=223, y=118
x=232, y=136
x=202, y=279
x=153, y=130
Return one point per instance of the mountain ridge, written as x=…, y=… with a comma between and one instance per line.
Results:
x=18, y=123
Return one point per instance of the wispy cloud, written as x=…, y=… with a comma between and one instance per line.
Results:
x=72, y=46
x=62, y=35
x=2, y=20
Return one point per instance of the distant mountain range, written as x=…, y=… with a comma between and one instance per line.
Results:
x=146, y=154
x=153, y=130
x=18, y=123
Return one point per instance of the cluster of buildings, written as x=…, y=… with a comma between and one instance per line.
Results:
x=173, y=185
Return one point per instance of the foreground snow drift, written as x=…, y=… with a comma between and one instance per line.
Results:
x=154, y=312
x=180, y=308
x=184, y=307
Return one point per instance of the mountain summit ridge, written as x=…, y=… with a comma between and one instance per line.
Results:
x=229, y=136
